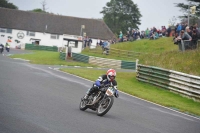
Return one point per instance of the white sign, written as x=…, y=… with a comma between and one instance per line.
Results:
x=74, y=37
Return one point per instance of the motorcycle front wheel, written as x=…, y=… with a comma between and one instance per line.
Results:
x=82, y=105
x=105, y=106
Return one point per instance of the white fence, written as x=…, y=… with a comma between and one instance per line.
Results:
x=184, y=84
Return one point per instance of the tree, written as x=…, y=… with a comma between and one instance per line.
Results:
x=43, y=10
x=43, y=6
x=119, y=15
x=172, y=21
x=7, y=4
x=38, y=10
x=185, y=8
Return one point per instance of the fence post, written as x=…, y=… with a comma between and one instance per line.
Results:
x=183, y=45
x=136, y=64
x=198, y=44
x=128, y=54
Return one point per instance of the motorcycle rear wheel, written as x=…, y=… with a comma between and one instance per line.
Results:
x=105, y=106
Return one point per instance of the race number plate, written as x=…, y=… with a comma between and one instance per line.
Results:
x=110, y=91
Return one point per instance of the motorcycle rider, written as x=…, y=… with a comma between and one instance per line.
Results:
x=1, y=48
x=7, y=47
x=107, y=79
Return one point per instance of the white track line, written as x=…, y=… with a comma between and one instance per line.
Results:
x=20, y=59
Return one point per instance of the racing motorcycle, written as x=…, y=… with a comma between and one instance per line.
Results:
x=100, y=101
x=7, y=48
x=1, y=48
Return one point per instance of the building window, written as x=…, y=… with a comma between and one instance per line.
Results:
x=9, y=31
x=29, y=33
x=3, y=30
x=6, y=30
x=73, y=44
x=54, y=36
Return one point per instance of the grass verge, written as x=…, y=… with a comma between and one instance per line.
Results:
x=48, y=58
x=128, y=83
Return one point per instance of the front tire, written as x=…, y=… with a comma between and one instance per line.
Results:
x=82, y=105
x=105, y=106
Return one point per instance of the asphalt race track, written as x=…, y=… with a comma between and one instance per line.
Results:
x=36, y=99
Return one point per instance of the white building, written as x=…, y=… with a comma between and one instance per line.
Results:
x=49, y=30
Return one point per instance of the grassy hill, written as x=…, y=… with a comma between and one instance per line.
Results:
x=160, y=53
x=148, y=46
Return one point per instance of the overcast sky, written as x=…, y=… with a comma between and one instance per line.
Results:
x=155, y=12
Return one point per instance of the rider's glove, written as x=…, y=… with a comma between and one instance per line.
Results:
x=116, y=94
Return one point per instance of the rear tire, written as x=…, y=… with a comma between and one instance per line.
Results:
x=104, y=108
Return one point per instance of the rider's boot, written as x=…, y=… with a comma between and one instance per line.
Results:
x=89, y=92
x=86, y=96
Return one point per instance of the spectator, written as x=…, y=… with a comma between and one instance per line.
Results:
x=186, y=24
x=156, y=35
x=154, y=29
x=147, y=33
x=194, y=39
x=106, y=47
x=169, y=31
x=85, y=42
x=138, y=34
x=128, y=35
x=187, y=29
x=120, y=37
x=151, y=35
x=135, y=34
x=185, y=37
x=164, y=28
x=132, y=35
x=89, y=42
x=175, y=29
x=101, y=43
x=195, y=27
x=179, y=28
x=113, y=41
x=160, y=34
x=175, y=38
x=98, y=42
x=164, y=31
x=142, y=35
x=138, y=38
x=183, y=26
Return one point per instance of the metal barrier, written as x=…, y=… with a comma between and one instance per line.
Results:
x=40, y=47
x=184, y=84
x=104, y=62
x=62, y=56
x=186, y=45
x=198, y=44
x=80, y=57
x=116, y=52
